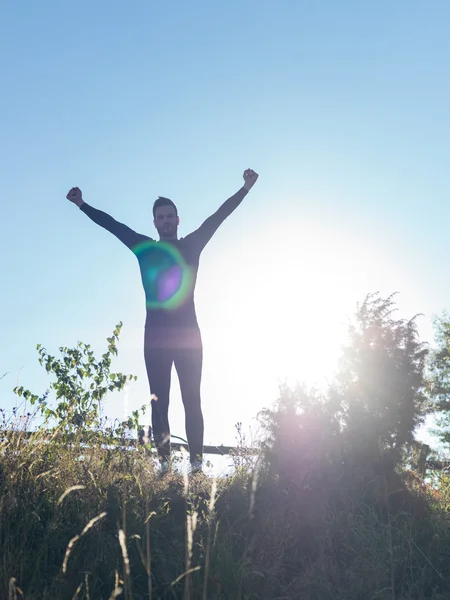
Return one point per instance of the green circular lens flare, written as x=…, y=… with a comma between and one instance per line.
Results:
x=166, y=276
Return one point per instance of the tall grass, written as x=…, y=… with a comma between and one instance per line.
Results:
x=327, y=509
x=78, y=522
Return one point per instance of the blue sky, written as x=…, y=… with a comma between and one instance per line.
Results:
x=341, y=107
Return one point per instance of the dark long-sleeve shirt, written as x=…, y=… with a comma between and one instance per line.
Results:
x=168, y=267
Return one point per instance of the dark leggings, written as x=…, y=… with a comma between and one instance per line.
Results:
x=161, y=352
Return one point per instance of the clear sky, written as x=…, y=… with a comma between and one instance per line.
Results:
x=342, y=107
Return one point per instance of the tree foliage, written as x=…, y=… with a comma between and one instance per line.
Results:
x=380, y=390
x=440, y=377
x=372, y=407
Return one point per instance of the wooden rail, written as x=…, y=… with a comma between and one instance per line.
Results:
x=131, y=442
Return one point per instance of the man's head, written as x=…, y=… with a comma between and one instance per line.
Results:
x=165, y=218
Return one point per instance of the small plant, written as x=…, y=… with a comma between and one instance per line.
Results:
x=81, y=385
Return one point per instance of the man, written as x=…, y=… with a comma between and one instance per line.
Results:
x=172, y=335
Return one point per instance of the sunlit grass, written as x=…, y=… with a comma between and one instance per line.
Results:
x=110, y=526
x=332, y=505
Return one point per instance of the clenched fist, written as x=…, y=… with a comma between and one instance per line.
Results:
x=75, y=196
x=250, y=178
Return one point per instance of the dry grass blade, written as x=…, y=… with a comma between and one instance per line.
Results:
x=123, y=545
x=180, y=577
x=77, y=592
x=429, y=562
x=67, y=492
x=55, y=471
x=126, y=562
x=115, y=593
x=191, y=525
x=147, y=548
x=91, y=523
x=12, y=589
x=145, y=559
x=150, y=515
x=86, y=583
x=93, y=478
x=139, y=549
x=212, y=502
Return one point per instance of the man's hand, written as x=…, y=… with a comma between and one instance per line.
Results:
x=250, y=178
x=75, y=196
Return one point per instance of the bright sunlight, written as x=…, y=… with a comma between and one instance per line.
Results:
x=285, y=315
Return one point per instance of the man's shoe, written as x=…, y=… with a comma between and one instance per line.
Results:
x=165, y=467
x=196, y=467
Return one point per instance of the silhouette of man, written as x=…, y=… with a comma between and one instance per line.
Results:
x=172, y=336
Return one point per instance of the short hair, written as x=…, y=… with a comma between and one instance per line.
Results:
x=161, y=201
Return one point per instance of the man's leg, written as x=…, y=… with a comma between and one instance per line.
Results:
x=159, y=365
x=188, y=363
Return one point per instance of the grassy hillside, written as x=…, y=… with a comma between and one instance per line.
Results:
x=334, y=506
x=109, y=526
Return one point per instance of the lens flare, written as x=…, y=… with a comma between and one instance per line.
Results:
x=167, y=278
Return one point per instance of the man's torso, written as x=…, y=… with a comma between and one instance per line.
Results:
x=169, y=273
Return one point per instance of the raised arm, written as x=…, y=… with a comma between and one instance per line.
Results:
x=126, y=235
x=204, y=233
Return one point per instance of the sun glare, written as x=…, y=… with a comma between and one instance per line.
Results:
x=286, y=313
